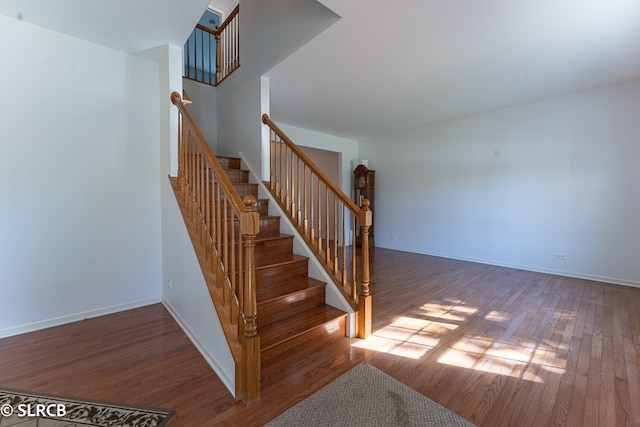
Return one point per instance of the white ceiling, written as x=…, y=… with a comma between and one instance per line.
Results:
x=387, y=66
x=126, y=25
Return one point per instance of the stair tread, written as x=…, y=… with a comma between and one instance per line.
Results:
x=273, y=294
x=295, y=258
x=273, y=237
x=291, y=327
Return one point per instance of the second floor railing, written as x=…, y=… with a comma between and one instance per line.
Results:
x=326, y=218
x=199, y=55
x=210, y=56
x=228, y=46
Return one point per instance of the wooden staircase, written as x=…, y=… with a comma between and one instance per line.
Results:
x=293, y=319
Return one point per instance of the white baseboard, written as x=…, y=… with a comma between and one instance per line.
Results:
x=57, y=321
x=563, y=273
x=227, y=378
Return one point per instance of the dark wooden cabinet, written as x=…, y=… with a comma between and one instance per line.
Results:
x=364, y=183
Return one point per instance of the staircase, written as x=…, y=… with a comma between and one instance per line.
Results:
x=293, y=319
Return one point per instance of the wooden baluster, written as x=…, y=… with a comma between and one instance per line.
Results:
x=344, y=247
x=354, y=292
x=336, y=267
x=223, y=249
x=280, y=171
x=227, y=62
x=240, y=282
x=207, y=211
x=237, y=33
x=272, y=160
x=292, y=196
x=312, y=231
x=199, y=193
x=250, y=363
x=202, y=56
x=209, y=68
x=297, y=215
x=364, y=302
x=187, y=67
x=305, y=207
x=191, y=177
x=319, y=219
x=180, y=154
x=220, y=270
x=287, y=177
x=218, y=78
x=232, y=266
x=326, y=228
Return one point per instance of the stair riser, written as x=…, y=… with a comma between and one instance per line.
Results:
x=281, y=308
x=229, y=162
x=238, y=176
x=280, y=274
x=262, y=207
x=245, y=188
x=269, y=226
x=273, y=251
x=282, y=355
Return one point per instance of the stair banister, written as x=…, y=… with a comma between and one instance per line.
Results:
x=226, y=227
x=299, y=185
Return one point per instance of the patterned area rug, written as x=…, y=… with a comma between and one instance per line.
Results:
x=21, y=409
x=366, y=396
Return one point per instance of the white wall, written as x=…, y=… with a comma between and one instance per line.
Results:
x=515, y=187
x=348, y=148
x=203, y=109
x=79, y=179
x=185, y=292
x=271, y=30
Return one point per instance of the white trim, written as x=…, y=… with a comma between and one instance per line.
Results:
x=227, y=378
x=218, y=12
x=601, y=279
x=62, y=320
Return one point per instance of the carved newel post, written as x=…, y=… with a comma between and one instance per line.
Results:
x=364, y=300
x=250, y=360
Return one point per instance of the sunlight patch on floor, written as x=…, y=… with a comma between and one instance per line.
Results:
x=520, y=361
x=407, y=337
x=456, y=313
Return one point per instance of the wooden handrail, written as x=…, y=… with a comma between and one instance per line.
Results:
x=238, y=204
x=318, y=208
x=229, y=19
x=323, y=177
x=226, y=226
x=206, y=29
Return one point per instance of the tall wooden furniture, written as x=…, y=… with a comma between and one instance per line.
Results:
x=364, y=188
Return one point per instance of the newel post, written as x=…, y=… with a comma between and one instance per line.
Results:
x=218, y=75
x=250, y=359
x=364, y=300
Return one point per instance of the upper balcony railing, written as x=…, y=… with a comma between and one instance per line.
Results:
x=210, y=56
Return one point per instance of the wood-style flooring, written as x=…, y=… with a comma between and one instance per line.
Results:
x=498, y=346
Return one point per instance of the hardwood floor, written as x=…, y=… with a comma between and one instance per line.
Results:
x=498, y=346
